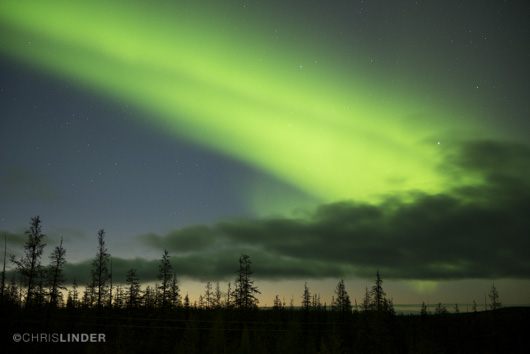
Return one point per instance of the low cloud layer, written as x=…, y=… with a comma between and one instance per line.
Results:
x=479, y=230
x=476, y=230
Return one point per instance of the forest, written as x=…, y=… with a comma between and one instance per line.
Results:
x=40, y=313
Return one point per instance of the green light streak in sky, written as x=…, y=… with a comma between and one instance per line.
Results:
x=225, y=87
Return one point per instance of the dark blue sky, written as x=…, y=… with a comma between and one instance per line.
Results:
x=84, y=159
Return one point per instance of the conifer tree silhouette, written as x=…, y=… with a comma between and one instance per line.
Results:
x=341, y=300
x=306, y=298
x=100, y=270
x=378, y=294
x=55, y=274
x=74, y=298
x=217, y=296
x=423, y=310
x=133, y=289
x=494, y=298
x=174, y=293
x=366, y=305
x=379, y=301
x=245, y=291
x=29, y=266
x=277, y=303
x=208, y=295
x=165, y=275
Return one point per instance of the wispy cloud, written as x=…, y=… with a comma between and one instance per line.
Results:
x=13, y=238
x=19, y=184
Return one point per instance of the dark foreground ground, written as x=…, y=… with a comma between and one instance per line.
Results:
x=261, y=331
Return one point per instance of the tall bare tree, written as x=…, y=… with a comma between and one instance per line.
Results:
x=4, y=269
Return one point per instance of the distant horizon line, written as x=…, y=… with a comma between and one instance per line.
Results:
x=479, y=306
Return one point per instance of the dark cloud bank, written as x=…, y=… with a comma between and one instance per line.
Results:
x=476, y=231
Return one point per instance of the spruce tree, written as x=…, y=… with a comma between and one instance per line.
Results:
x=245, y=291
x=306, y=298
x=229, y=295
x=341, y=300
x=208, y=295
x=75, y=295
x=12, y=292
x=29, y=266
x=494, y=298
x=119, y=298
x=366, y=304
x=149, y=299
x=187, y=302
x=379, y=302
x=89, y=295
x=217, y=296
x=456, y=308
x=55, y=274
x=423, y=311
x=110, y=288
x=315, y=302
x=133, y=289
x=174, y=296
x=100, y=271
x=440, y=309
x=378, y=294
x=277, y=303
x=165, y=275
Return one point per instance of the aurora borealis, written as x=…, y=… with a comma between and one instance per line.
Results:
x=330, y=140
x=217, y=93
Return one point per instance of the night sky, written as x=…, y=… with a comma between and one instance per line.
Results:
x=327, y=140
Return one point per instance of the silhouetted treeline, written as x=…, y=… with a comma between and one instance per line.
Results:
x=284, y=330
x=159, y=319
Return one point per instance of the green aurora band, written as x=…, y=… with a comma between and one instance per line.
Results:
x=214, y=79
